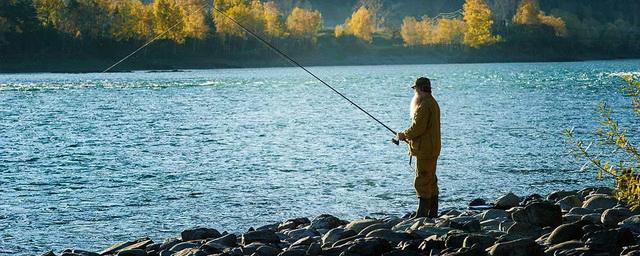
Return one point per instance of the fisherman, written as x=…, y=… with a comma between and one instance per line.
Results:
x=423, y=138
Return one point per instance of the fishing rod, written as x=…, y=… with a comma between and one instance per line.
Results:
x=272, y=47
x=292, y=61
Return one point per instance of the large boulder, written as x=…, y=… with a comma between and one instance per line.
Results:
x=569, y=202
x=610, y=240
x=611, y=217
x=359, y=225
x=524, y=230
x=520, y=247
x=469, y=224
x=199, y=234
x=483, y=241
x=296, y=234
x=325, y=221
x=368, y=246
x=190, y=252
x=567, y=245
x=335, y=235
x=263, y=236
x=492, y=214
x=632, y=223
x=507, y=201
x=393, y=237
x=600, y=202
x=558, y=195
x=565, y=232
x=543, y=214
x=293, y=223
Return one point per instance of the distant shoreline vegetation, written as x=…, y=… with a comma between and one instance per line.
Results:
x=90, y=35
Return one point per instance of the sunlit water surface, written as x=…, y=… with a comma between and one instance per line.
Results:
x=87, y=160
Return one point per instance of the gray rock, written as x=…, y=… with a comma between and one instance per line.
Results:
x=228, y=240
x=507, y=201
x=493, y=224
x=325, y=221
x=359, y=225
x=314, y=249
x=580, y=211
x=541, y=214
x=346, y=240
x=592, y=218
x=455, y=240
x=469, y=224
x=305, y=241
x=393, y=237
x=49, y=253
x=611, y=240
x=190, y=252
x=600, y=202
x=431, y=243
x=567, y=245
x=373, y=227
x=402, y=253
x=505, y=225
x=632, y=223
x=492, y=214
x=132, y=252
x=367, y=246
x=611, y=217
x=199, y=234
x=557, y=195
x=183, y=245
x=565, y=232
x=524, y=230
x=264, y=236
x=293, y=223
x=335, y=235
x=426, y=231
x=569, y=202
x=293, y=252
x=569, y=218
x=520, y=247
x=168, y=243
x=297, y=234
x=273, y=226
x=266, y=250
x=483, y=241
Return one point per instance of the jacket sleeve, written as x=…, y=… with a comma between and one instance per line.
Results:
x=418, y=124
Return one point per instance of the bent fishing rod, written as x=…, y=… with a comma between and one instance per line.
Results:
x=275, y=49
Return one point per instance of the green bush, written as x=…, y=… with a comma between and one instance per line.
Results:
x=612, y=153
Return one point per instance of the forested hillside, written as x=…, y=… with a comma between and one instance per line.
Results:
x=90, y=34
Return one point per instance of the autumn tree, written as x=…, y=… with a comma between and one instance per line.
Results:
x=377, y=10
x=361, y=24
x=408, y=31
x=248, y=13
x=79, y=18
x=131, y=20
x=303, y=23
x=273, y=20
x=168, y=20
x=529, y=13
x=194, y=18
x=477, y=17
x=447, y=31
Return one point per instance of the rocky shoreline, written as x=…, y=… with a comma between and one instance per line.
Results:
x=585, y=222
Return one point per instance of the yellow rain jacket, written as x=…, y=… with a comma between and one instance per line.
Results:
x=424, y=143
x=424, y=134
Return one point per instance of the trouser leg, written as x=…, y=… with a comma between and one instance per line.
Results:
x=426, y=185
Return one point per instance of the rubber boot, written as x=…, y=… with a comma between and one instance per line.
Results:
x=432, y=207
x=423, y=208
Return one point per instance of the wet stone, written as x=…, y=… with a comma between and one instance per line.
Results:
x=199, y=234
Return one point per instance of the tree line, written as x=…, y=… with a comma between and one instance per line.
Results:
x=105, y=27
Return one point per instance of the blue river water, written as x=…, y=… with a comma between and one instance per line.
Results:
x=88, y=160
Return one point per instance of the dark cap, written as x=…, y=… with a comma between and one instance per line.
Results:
x=423, y=83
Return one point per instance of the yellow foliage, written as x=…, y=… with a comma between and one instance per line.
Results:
x=361, y=24
x=477, y=16
x=167, y=13
x=448, y=31
x=249, y=14
x=424, y=29
x=304, y=23
x=273, y=20
x=527, y=13
x=339, y=30
x=194, y=20
x=408, y=31
x=556, y=23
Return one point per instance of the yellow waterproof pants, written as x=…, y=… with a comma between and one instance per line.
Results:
x=426, y=182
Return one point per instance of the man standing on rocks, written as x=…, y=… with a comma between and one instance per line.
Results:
x=423, y=138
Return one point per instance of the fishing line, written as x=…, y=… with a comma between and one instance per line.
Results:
x=292, y=61
x=282, y=54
